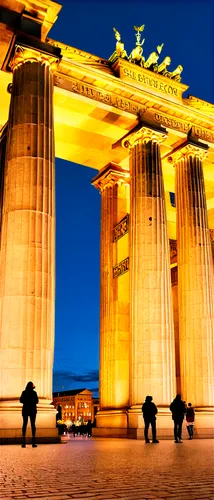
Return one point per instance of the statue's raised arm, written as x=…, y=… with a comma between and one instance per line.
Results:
x=152, y=61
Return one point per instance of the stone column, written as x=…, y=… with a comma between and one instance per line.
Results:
x=195, y=278
x=27, y=265
x=3, y=140
x=212, y=242
x=112, y=182
x=152, y=350
x=174, y=283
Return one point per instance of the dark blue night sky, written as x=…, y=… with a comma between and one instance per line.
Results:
x=186, y=29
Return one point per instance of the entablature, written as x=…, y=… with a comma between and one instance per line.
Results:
x=112, y=90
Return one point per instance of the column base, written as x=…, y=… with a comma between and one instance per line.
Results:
x=130, y=424
x=204, y=423
x=109, y=432
x=111, y=423
x=11, y=423
x=164, y=423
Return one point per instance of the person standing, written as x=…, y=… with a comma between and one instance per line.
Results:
x=29, y=399
x=89, y=428
x=178, y=410
x=190, y=418
x=149, y=414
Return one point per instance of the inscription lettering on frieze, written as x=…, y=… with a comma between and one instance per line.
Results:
x=121, y=268
x=203, y=134
x=121, y=228
x=173, y=123
x=97, y=94
x=155, y=83
x=134, y=107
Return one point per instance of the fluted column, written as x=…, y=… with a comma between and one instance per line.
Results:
x=27, y=288
x=152, y=352
x=195, y=278
x=212, y=242
x=3, y=140
x=114, y=293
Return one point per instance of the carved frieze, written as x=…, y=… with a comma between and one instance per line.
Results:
x=121, y=268
x=131, y=106
x=183, y=126
x=121, y=228
x=87, y=90
x=144, y=79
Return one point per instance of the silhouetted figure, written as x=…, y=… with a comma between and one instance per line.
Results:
x=89, y=428
x=190, y=419
x=178, y=410
x=81, y=429
x=29, y=399
x=59, y=420
x=59, y=413
x=149, y=414
x=73, y=429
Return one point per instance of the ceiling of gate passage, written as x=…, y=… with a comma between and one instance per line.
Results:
x=85, y=131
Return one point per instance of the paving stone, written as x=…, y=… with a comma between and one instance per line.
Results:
x=108, y=469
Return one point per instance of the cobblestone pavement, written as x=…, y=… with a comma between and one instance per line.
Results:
x=107, y=469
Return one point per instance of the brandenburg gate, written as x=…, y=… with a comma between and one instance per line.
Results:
x=152, y=150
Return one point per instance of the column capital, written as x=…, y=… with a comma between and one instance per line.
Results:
x=27, y=54
x=188, y=148
x=110, y=175
x=143, y=134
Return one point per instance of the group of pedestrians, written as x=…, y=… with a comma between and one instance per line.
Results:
x=179, y=410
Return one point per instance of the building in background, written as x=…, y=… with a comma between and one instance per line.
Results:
x=77, y=405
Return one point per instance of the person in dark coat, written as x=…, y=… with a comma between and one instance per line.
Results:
x=89, y=428
x=190, y=419
x=149, y=414
x=29, y=399
x=178, y=410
